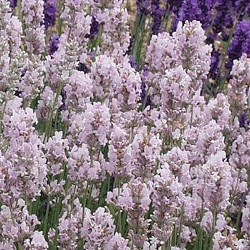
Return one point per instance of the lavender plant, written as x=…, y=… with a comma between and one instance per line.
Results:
x=124, y=130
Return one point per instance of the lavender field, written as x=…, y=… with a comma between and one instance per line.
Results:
x=124, y=124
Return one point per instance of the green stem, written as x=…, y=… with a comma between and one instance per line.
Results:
x=234, y=191
x=239, y=214
x=45, y=223
x=119, y=220
x=180, y=228
x=85, y=197
x=1, y=118
x=192, y=115
x=139, y=37
x=19, y=10
x=163, y=247
x=60, y=21
x=104, y=190
x=19, y=246
x=48, y=127
x=199, y=240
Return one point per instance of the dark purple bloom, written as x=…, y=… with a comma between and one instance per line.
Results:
x=192, y=10
x=50, y=9
x=143, y=91
x=157, y=14
x=240, y=43
x=54, y=44
x=132, y=61
x=224, y=18
x=23, y=72
x=244, y=121
x=82, y=67
x=215, y=64
x=196, y=10
x=94, y=28
x=210, y=37
x=18, y=93
x=175, y=21
x=13, y=3
x=216, y=16
x=189, y=10
x=227, y=12
x=242, y=8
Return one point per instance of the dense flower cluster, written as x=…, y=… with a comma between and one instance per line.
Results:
x=50, y=9
x=240, y=43
x=218, y=18
x=117, y=134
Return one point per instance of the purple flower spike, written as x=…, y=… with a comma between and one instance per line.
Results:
x=240, y=43
x=132, y=61
x=54, y=44
x=50, y=9
x=157, y=14
x=94, y=28
x=13, y=3
x=215, y=64
x=244, y=121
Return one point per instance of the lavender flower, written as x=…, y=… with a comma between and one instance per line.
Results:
x=240, y=43
x=223, y=17
x=98, y=229
x=238, y=84
x=115, y=24
x=192, y=10
x=50, y=9
x=33, y=16
x=47, y=98
x=217, y=14
x=240, y=151
x=244, y=121
x=70, y=226
x=134, y=198
x=78, y=90
x=54, y=44
x=132, y=61
x=243, y=7
x=94, y=28
x=157, y=14
x=227, y=12
x=119, y=153
x=135, y=129
x=215, y=63
x=13, y=3
x=189, y=10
